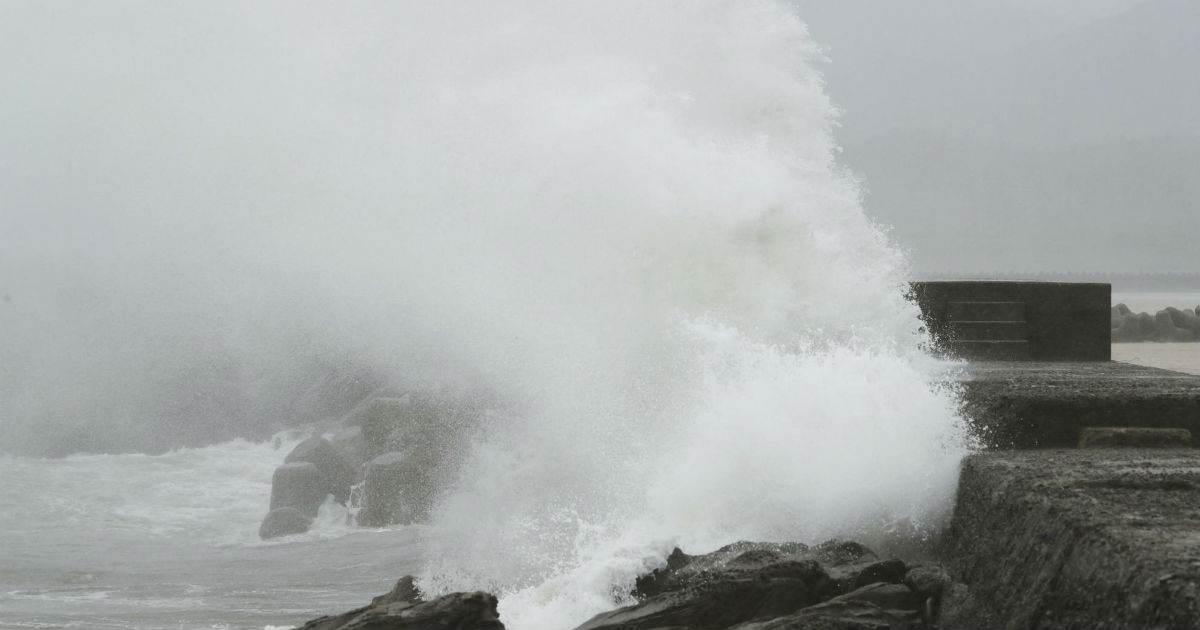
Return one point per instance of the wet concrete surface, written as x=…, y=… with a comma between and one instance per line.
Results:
x=1046, y=404
x=1065, y=538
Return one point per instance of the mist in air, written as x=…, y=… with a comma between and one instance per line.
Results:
x=665, y=246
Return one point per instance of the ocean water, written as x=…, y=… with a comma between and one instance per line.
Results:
x=623, y=224
x=1180, y=357
x=171, y=541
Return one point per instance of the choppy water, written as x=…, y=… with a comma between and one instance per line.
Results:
x=171, y=541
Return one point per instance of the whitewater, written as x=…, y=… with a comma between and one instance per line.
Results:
x=622, y=225
x=170, y=541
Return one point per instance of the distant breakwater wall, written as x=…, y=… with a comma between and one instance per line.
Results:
x=1168, y=282
x=1168, y=325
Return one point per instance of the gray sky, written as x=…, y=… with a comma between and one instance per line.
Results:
x=1022, y=135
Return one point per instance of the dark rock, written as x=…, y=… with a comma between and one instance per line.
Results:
x=378, y=421
x=397, y=489
x=1181, y=318
x=741, y=558
x=840, y=615
x=887, y=596
x=298, y=485
x=466, y=611
x=930, y=583
x=429, y=421
x=411, y=443
x=335, y=622
x=1129, y=330
x=1146, y=324
x=851, y=575
x=662, y=579
x=845, y=576
x=928, y=580
x=351, y=445
x=403, y=609
x=736, y=584
x=405, y=590
x=1166, y=330
x=284, y=521
x=1119, y=314
x=889, y=571
x=719, y=603
x=1185, y=319
x=835, y=553
x=336, y=475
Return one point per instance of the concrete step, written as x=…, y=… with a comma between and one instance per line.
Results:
x=1035, y=404
x=991, y=350
x=988, y=331
x=985, y=311
x=1100, y=538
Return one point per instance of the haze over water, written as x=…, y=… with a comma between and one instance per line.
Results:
x=622, y=223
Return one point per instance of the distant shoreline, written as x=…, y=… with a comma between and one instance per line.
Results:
x=1138, y=282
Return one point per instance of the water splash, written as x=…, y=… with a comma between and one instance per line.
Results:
x=624, y=220
x=703, y=336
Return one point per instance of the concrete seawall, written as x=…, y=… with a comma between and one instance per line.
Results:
x=1052, y=536
x=1077, y=539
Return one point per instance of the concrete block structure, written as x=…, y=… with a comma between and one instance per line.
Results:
x=1018, y=321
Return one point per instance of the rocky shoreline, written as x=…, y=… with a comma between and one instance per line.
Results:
x=1047, y=538
x=839, y=585
x=385, y=457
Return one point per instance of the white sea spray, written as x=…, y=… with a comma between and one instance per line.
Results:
x=623, y=220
